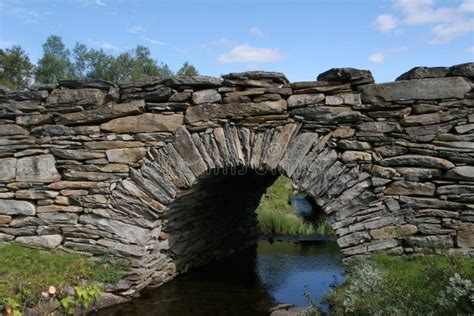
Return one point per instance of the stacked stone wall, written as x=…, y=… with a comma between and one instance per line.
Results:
x=167, y=173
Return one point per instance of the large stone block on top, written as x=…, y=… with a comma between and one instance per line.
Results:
x=144, y=123
x=425, y=89
x=44, y=241
x=40, y=168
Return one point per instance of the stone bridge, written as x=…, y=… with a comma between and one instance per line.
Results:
x=167, y=174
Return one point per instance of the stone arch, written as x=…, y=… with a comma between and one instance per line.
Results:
x=174, y=179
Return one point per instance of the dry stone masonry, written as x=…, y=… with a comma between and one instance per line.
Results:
x=166, y=174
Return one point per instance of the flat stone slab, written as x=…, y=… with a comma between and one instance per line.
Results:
x=193, y=81
x=44, y=241
x=425, y=89
x=40, y=168
x=144, y=123
x=15, y=207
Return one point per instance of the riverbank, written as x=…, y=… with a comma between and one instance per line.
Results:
x=385, y=284
x=49, y=281
x=276, y=216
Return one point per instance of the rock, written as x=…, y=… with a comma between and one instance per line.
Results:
x=355, y=77
x=44, y=241
x=58, y=208
x=465, y=239
x=35, y=194
x=160, y=94
x=416, y=174
x=380, y=127
x=87, y=83
x=351, y=156
x=129, y=233
x=7, y=169
x=180, y=97
x=12, y=129
x=214, y=111
x=144, y=123
x=5, y=219
x=34, y=120
x=343, y=132
x=300, y=100
x=353, y=144
x=393, y=231
x=28, y=95
x=330, y=114
x=418, y=161
x=76, y=154
x=85, y=96
x=455, y=189
x=276, y=77
x=61, y=130
x=102, y=114
x=461, y=173
x=391, y=150
x=425, y=89
x=442, y=241
x=424, y=72
x=403, y=187
x=206, y=96
x=193, y=82
x=61, y=185
x=463, y=70
x=125, y=155
x=40, y=168
x=15, y=207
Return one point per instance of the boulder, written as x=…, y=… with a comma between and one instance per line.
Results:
x=12, y=129
x=276, y=77
x=87, y=83
x=463, y=70
x=299, y=100
x=193, y=82
x=330, y=114
x=461, y=173
x=417, y=161
x=85, y=96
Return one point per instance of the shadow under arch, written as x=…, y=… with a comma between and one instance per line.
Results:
x=198, y=194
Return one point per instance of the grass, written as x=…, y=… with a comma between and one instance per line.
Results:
x=392, y=285
x=276, y=216
x=25, y=272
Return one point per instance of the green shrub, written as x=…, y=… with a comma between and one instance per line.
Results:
x=390, y=285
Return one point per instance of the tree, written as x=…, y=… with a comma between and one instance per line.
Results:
x=80, y=57
x=17, y=68
x=187, y=70
x=55, y=63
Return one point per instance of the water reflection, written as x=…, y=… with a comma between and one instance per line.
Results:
x=249, y=283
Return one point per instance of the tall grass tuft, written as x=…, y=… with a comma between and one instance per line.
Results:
x=276, y=216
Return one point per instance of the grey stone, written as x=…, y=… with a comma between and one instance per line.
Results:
x=206, y=96
x=144, y=123
x=277, y=77
x=353, y=76
x=193, y=81
x=125, y=155
x=87, y=83
x=463, y=70
x=442, y=241
x=417, y=161
x=330, y=114
x=40, y=168
x=380, y=127
x=12, y=129
x=461, y=173
x=85, y=96
x=76, y=154
x=424, y=72
x=15, y=207
x=7, y=169
x=304, y=99
x=455, y=189
x=426, y=89
x=44, y=241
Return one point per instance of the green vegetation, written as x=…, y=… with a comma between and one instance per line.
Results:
x=58, y=62
x=25, y=273
x=389, y=285
x=276, y=216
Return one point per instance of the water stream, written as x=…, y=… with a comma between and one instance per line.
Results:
x=248, y=283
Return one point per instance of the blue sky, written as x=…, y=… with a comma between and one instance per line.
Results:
x=301, y=38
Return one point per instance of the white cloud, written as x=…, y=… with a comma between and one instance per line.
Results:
x=135, y=29
x=386, y=22
x=447, y=22
x=470, y=50
x=247, y=54
x=446, y=32
x=377, y=58
x=101, y=3
x=155, y=42
x=103, y=44
x=255, y=31
x=21, y=13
